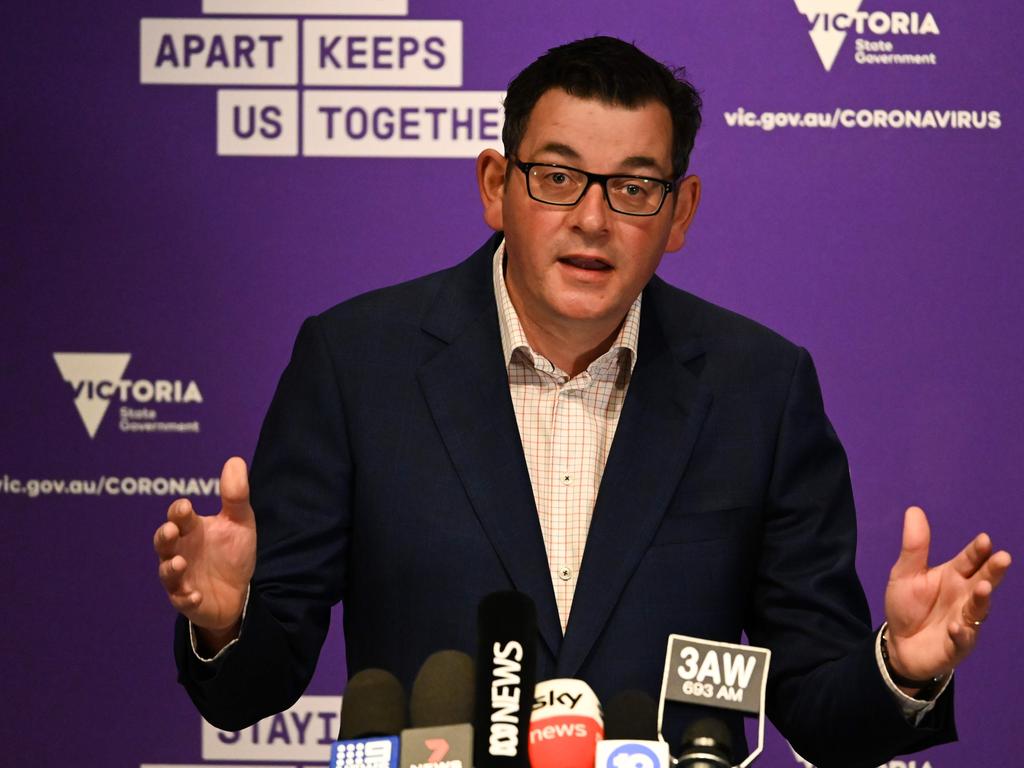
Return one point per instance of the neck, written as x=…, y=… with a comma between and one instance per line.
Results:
x=570, y=346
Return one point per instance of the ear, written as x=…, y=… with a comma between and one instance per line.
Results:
x=687, y=197
x=490, y=177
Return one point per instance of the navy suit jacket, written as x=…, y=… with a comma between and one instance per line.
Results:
x=390, y=475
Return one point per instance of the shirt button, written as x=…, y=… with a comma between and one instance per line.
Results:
x=564, y=573
x=566, y=479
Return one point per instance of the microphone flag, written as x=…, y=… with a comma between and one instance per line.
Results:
x=709, y=673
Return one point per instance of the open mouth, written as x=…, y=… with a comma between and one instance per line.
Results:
x=581, y=262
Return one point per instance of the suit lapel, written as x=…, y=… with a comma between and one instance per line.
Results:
x=664, y=410
x=466, y=388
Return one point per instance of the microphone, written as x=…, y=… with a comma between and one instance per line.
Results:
x=372, y=712
x=718, y=675
x=566, y=724
x=631, y=734
x=707, y=743
x=632, y=715
x=506, y=674
x=440, y=711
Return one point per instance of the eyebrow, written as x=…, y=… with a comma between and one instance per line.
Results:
x=633, y=162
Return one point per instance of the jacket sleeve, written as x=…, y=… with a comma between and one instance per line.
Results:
x=826, y=693
x=300, y=483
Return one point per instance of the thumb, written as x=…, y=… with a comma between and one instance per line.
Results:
x=913, y=557
x=234, y=490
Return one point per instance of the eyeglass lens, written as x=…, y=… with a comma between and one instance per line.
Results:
x=565, y=186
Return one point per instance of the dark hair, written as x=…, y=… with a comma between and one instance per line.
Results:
x=612, y=71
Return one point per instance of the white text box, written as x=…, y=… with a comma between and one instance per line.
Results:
x=308, y=7
x=304, y=733
x=256, y=122
x=400, y=123
x=382, y=53
x=219, y=51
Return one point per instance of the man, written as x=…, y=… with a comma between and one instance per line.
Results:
x=549, y=416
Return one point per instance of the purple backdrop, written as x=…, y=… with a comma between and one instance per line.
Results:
x=888, y=245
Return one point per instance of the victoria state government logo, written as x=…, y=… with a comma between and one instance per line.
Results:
x=97, y=379
x=831, y=20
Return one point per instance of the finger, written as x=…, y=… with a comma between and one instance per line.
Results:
x=976, y=606
x=995, y=567
x=963, y=638
x=172, y=574
x=234, y=489
x=973, y=556
x=165, y=540
x=186, y=601
x=913, y=557
x=183, y=515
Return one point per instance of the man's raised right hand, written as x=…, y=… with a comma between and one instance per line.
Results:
x=206, y=562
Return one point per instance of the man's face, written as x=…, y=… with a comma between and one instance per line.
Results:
x=585, y=264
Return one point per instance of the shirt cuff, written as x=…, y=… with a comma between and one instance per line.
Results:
x=222, y=651
x=913, y=709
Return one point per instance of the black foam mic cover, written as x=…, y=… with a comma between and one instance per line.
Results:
x=443, y=692
x=707, y=743
x=506, y=675
x=373, y=705
x=632, y=716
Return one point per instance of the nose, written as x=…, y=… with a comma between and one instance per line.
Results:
x=591, y=213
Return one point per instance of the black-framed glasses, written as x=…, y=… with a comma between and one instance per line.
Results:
x=556, y=184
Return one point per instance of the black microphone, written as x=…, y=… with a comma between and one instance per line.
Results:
x=440, y=711
x=506, y=675
x=372, y=713
x=707, y=743
x=443, y=692
x=631, y=715
x=717, y=675
x=373, y=705
x=631, y=734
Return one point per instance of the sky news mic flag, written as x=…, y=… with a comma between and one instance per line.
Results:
x=566, y=724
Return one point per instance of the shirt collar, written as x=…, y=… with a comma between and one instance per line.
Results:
x=513, y=339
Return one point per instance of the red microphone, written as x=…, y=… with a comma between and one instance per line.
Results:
x=565, y=726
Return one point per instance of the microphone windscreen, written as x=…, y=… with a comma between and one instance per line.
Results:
x=707, y=742
x=505, y=678
x=566, y=724
x=373, y=705
x=442, y=693
x=631, y=715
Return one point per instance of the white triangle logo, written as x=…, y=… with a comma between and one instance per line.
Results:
x=826, y=38
x=79, y=367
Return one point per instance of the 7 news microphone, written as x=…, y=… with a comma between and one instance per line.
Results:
x=440, y=711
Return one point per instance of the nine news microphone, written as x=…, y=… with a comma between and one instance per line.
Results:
x=506, y=674
x=440, y=711
x=372, y=712
x=566, y=725
x=631, y=734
